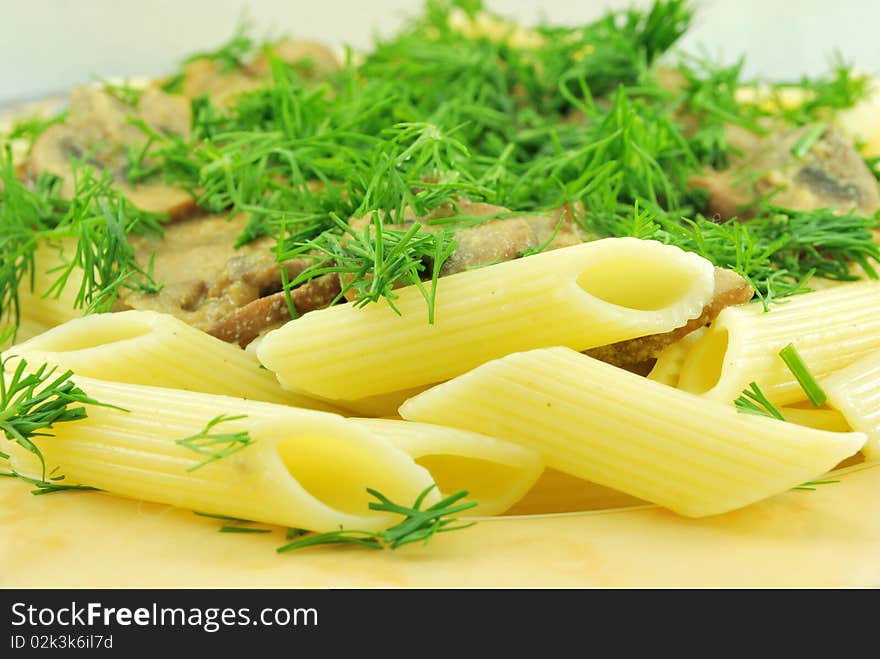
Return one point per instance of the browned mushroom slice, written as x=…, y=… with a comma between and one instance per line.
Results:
x=495, y=240
x=315, y=59
x=203, y=77
x=99, y=131
x=245, y=324
x=508, y=238
x=730, y=290
x=827, y=173
x=160, y=198
x=205, y=278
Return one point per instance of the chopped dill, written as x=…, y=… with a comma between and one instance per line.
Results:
x=754, y=401
x=529, y=119
x=418, y=525
x=798, y=368
x=216, y=445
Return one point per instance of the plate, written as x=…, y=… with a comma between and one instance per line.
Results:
x=829, y=537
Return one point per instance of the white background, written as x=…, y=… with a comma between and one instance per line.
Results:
x=48, y=45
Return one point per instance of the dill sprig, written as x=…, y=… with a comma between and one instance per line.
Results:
x=33, y=402
x=50, y=485
x=754, y=401
x=230, y=55
x=216, y=445
x=776, y=252
x=578, y=118
x=418, y=525
x=373, y=262
x=798, y=368
x=97, y=221
x=823, y=96
x=31, y=128
x=810, y=486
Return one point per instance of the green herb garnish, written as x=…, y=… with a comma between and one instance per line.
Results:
x=580, y=118
x=33, y=402
x=799, y=369
x=216, y=445
x=754, y=401
x=418, y=525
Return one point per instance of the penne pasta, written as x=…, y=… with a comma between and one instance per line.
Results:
x=667, y=368
x=600, y=423
x=820, y=419
x=830, y=329
x=302, y=469
x=495, y=473
x=380, y=405
x=855, y=392
x=581, y=296
x=558, y=492
x=145, y=347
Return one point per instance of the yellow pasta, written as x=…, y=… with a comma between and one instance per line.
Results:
x=667, y=368
x=581, y=296
x=830, y=329
x=304, y=468
x=603, y=424
x=855, y=392
x=558, y=492
x=820, y=419
x=145, y=347
x=495, y=473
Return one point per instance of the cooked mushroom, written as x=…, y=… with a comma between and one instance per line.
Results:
x=313, y=58
x=209, y=283
x=98, y=131
x=246, y=323
x=829, y=173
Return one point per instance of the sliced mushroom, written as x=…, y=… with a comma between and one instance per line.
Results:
x=246, y=323
x=495, y=240
x=206, y=279
x=829, y=173
x=314, y=59
x=98, y=131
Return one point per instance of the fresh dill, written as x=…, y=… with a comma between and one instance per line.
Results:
x=418, y=525
x=230, y=55
x=807, y=140
x=810, y=486
x=228, y=528
x=754, y=401
x=51, y=485
x=798, y=368
x=32, y=402
x=215, y=445
x=531, y=120
x=95, y=224
x=375, y=261
x=31, y=128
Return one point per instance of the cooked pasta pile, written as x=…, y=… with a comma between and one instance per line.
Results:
x=305, y=290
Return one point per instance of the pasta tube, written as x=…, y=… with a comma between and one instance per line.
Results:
x=557, y=492
x=830, y=329
x=667, y=368
x=821, y=419
x=855, y=392
x=582, y=296
x=303, y=469
x=604, y=424
x=496, y=474
x=145, y=347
